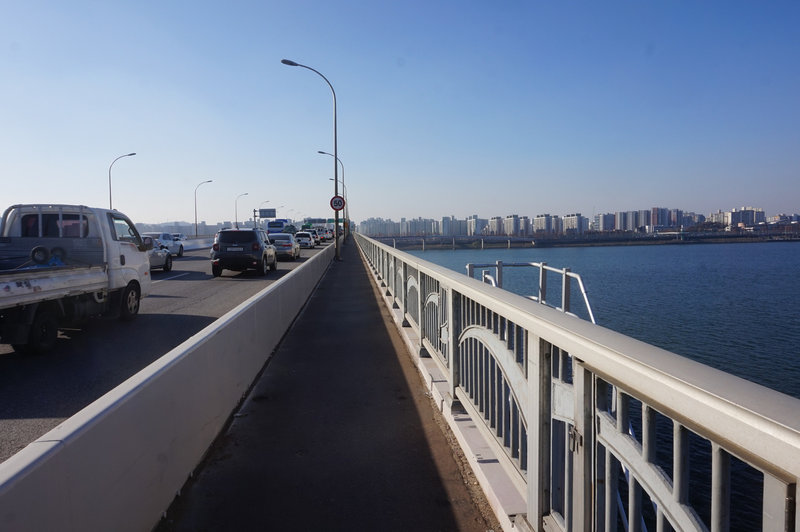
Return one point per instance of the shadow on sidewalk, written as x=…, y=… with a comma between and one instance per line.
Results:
x=336, y=434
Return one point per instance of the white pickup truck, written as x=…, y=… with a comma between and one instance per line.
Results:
x=61, y=264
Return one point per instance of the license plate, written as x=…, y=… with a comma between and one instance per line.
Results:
x=235, y=249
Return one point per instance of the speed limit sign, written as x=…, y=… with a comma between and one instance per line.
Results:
x=337, y=203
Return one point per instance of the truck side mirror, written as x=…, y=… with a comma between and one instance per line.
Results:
x=147, y=243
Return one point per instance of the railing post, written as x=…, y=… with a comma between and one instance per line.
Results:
x=540, y=378
x=453, y=333
x=499, y=271
x=680, y=463
x=565, y=290
x=405, y=295
x=780, y=505
x=720, y=489
x=422, y=289
x=582, y=445
x=542, y=283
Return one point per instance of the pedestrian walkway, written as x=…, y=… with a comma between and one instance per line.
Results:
x=336, y=434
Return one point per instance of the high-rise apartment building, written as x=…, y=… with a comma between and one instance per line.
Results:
x=476, y=226
x=496, y=226
x=511, y=225
x=543, y=223
x=575, y=224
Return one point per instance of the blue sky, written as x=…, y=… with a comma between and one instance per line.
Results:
x=444, y=107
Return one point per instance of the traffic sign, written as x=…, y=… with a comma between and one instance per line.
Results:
x=337, y=203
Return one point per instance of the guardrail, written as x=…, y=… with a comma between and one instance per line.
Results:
x=118, y=463
x=542, y=295
x=594, y=430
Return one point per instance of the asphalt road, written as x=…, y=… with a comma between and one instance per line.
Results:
x=37, y=392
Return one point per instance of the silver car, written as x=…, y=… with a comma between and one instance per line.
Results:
x=174, y=245
x=285, y=245
x=159, y=256
x=305, y=239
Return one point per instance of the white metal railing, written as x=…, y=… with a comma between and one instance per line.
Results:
x=602, y=431
x=541, y=296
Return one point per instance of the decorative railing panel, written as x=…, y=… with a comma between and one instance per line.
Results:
x=602, y=432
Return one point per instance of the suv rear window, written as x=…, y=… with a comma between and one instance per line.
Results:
x=278, y=237
x=236, y=237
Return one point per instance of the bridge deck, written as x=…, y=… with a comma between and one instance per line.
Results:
x=336, y=434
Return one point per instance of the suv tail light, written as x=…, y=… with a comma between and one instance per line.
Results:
x=255, y=246
x=215, y=247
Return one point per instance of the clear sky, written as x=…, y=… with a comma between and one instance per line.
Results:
x=444, y=107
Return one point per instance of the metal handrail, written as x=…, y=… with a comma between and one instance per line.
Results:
x=566, y=275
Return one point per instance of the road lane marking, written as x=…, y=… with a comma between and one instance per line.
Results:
x=171, y=278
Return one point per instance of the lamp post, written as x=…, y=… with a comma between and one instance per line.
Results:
x=109, y=175
x=346, y=206
x=195, y=204
x=335, y=152
x=236, y=209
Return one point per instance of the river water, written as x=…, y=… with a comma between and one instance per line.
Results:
x=735, y=307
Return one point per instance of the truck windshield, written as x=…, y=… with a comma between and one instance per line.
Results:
x=123, y=230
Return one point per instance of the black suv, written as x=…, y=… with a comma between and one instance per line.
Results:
x=242, y=249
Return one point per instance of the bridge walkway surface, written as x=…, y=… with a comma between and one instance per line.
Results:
x=337, y=433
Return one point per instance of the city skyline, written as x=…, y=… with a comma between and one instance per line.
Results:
x=647, y=220
x=707, y=216
x=453, y=107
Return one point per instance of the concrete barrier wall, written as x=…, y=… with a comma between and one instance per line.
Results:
x=118, y=463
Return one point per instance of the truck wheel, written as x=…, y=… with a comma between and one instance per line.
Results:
x=59, y=253
x=43, y=334
x=167, y=264
x=40, y=254
x=129, y=307
x=216, y=271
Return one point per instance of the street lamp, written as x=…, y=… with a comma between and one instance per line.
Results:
x=335, y=152
x=109, y=175
x=195, y=204
x=236, y=209
x=346, y=206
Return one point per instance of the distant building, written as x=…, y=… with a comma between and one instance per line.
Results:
x=605, y=222
x=747, y=217
x=525, y=226
x=659, y=216
x=496, y=226
x=476, y=226
x=575, y=224
x=544, y=223
x=511, y=225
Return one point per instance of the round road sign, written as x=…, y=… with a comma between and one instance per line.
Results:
x=337, y=203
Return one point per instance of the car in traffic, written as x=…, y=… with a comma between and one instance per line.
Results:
x=313, y=232
x=159, y=256
x=179, y=236
x=242, y=249
x=171, y=243
x=305, y=239
x=285, y=245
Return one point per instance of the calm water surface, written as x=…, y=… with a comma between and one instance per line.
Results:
x=735, y=307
